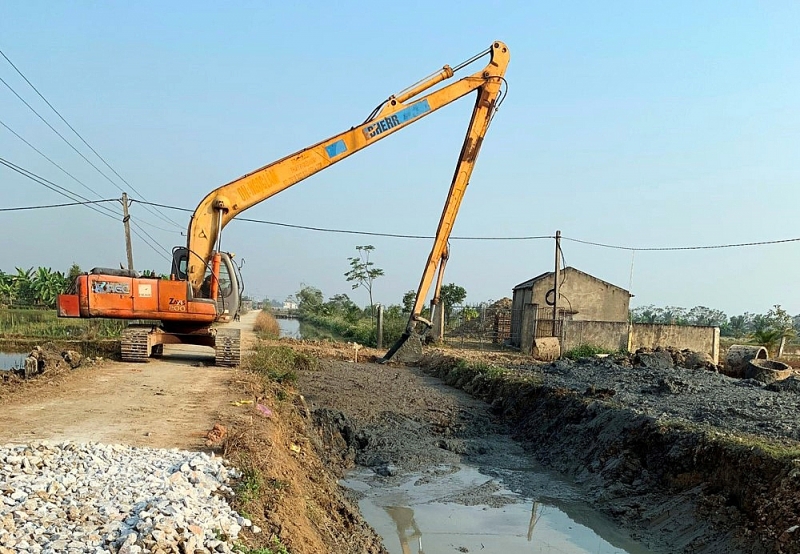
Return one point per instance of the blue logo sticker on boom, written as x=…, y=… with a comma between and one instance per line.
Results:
x=335, y=149
x=400, y=118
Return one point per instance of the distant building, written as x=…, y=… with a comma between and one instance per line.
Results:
x=583, y=298
x=289, y=305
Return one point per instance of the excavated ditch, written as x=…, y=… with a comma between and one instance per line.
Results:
x=702, y=461
x=642, y=459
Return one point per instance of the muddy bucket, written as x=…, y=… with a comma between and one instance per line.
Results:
x=739, y=356
x=767, y=371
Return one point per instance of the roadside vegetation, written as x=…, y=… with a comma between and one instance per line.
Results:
x=266, y=326
x=27, y=308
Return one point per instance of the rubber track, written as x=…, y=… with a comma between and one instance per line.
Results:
x=227, y=347
x=133, y=344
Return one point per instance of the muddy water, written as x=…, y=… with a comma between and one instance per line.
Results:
x=457, y=508
x=11, y=360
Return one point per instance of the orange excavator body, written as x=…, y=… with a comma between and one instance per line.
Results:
x=124, y=297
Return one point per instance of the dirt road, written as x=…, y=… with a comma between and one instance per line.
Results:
x=165, y=403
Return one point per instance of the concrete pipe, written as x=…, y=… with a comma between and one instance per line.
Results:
x=767, y=371
x=739, y=355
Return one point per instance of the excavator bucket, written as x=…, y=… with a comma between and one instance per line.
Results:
x=408, y=349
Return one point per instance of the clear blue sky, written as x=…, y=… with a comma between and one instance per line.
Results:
x=627, y=123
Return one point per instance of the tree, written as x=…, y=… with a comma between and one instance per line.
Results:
x=408, y=301
x=74, y=271
x=309, y=300
x=737, y=326
x=6, y=288
x=23, y=292
x=451, y=295
x=700, y=315
x=783, y=323
x=363, y=273
x=341, y=305
x=645, y=314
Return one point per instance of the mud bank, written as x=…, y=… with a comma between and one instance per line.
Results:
x=700, y=487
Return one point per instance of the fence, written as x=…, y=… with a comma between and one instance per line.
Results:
x=491, y=327
x=483, y=327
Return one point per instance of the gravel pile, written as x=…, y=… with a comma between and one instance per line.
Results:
x=67, y=497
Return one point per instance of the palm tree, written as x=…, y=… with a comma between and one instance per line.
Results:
x=767, y=337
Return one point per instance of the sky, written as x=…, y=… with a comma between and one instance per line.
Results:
x=638, y=124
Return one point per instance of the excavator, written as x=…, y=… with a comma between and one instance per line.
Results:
x=204, y=286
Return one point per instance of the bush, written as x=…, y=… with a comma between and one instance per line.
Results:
x=279, y=363
x=361, y=331
x=266, y=326
x=586, y=351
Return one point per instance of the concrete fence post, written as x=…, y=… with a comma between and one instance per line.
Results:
x=380, y=326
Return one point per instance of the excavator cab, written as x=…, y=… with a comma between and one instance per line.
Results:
x=229, y=289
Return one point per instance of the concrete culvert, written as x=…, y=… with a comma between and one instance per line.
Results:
x=767, y=371
x=739, y=356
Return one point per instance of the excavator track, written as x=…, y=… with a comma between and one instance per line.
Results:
x=134, y=344
x=227, y=347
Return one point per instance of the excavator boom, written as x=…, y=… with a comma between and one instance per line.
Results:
x=220, y=206
x=204, y=287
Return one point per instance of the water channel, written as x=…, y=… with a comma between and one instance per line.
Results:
x=290, y=328
x=509, y=507
x=10, y=360
x=462, y=509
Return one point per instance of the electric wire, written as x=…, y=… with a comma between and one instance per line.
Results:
x=91, y=204
x=491, y=238
x=349, y=231
x=149, y=236
x=64, y=205
x=46, y=157
x=56, y=188
x=156, y=213
x=674, y=248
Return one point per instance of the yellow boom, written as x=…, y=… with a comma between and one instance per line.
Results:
x=399, y=111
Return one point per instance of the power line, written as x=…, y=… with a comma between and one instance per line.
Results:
x=489, y=238
x=47, y=206
x=75, y=179
x=349, y=231
x=154, y=241
x=84, y=185
x=674, y=248
x=54, y=187
x=156, y=213
x=394, y=235
x=77, y=133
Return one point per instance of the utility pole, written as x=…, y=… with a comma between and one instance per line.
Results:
x=556, y=280
x=126, y=218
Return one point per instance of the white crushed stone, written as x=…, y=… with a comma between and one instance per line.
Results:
x=69, y=497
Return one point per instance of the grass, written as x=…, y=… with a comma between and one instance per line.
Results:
x=45, y=324
x=586, y=351
x=275, y=547
x=266, y=326
x=249, y=487
x=279, y=364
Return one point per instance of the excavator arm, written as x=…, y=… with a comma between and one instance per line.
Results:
x=226, y=202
